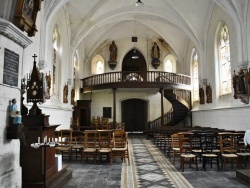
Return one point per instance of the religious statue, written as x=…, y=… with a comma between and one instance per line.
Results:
x=241, y=85
x=73, y=96
x=113, y=55
x=241, y=82
x=15, y=113
x=201, y=94
x=235, y=84
x=155, y=54
x=48, y=82
x=28, y=7
x=209, y=93
x=65, y=93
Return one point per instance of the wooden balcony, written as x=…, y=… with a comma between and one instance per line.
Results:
x=136, y=79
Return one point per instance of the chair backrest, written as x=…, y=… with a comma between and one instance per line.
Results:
x=119, y=139
x=239, y=144
x=104, y=137
x=208, y=142
x=120, y=126
x=66, y=136
x=185, y=142
x=175, y=140
x=90, y=139
x=226, y=142
x=78, y=140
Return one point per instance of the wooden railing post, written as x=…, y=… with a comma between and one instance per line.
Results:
x=162, y=107
x=114, y=107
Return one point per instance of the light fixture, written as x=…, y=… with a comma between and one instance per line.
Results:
x=139, y=3
x=135, y=56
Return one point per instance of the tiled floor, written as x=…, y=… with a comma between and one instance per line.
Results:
x=149, y=168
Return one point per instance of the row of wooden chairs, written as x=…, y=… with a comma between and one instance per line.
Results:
x=93, y=143
x=106, y=143
x=209, y=145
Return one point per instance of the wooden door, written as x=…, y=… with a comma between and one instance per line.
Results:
x=134, y=115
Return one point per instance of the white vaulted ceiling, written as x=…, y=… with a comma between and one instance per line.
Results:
x=176, y=21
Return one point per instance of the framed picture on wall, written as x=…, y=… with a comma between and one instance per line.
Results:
x=107, y=112
x=25, y=15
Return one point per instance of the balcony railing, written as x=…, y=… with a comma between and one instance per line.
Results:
x=136, y=77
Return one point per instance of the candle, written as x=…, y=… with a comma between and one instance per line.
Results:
x=38, y=140
x=49, y=139
x=52, y=139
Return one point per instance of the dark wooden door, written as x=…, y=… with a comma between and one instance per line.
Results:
x=134, y=115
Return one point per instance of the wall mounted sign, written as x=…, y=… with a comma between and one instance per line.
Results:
x=10, y=69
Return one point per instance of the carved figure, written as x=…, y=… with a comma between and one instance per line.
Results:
x=73, y=96
x=113, y=51
x=209, y=93
x=48, y=82
x=15, y=113
x=201, y=94
x=65, y=93
x=155, y=54
x=28, y=7
x=241, y=82
x=235, y=84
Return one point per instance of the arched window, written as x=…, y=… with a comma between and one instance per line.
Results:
x=55, y=42
x=195, y=67
x=75, y=66
x=224, y=61
x=170, y=64
x=98, y=65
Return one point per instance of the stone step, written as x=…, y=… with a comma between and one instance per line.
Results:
x=60, y=178
x=243, y=175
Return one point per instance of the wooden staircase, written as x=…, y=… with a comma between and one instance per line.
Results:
x=180, y=100
x=179, y=104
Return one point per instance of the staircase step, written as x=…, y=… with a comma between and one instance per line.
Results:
x=243, y=175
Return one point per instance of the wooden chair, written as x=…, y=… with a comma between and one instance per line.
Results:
x=208, y=141
x=105, y=124
x=240, y=147
x=105, y=147
x=196, y=143
x=77, y=144
x=186, y=150
x=90, y=144
x=175, y=145
x=227, y=148
x=65, y=140
x=120, y=145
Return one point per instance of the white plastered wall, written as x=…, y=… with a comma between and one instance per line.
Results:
x=105, y=99
x=10, y=170
x=224, y=112
x=60, y=113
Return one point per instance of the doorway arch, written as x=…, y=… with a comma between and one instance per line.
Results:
x=134, y=114
x=134, y=61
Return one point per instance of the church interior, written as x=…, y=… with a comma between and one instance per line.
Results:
x=145, y=70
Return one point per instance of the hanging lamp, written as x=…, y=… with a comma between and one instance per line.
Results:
x=139, y=3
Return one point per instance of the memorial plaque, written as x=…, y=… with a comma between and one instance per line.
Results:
x=10, y=69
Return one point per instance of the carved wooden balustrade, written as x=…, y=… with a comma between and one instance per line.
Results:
x=136, y=79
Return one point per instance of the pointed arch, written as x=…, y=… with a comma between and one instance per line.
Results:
x=195, y=74
x=98, y=65
x=169, y=64
x=223, y=59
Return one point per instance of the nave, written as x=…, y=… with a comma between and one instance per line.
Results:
x=148, y=168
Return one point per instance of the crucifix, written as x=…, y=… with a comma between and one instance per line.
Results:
x=34, y=56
